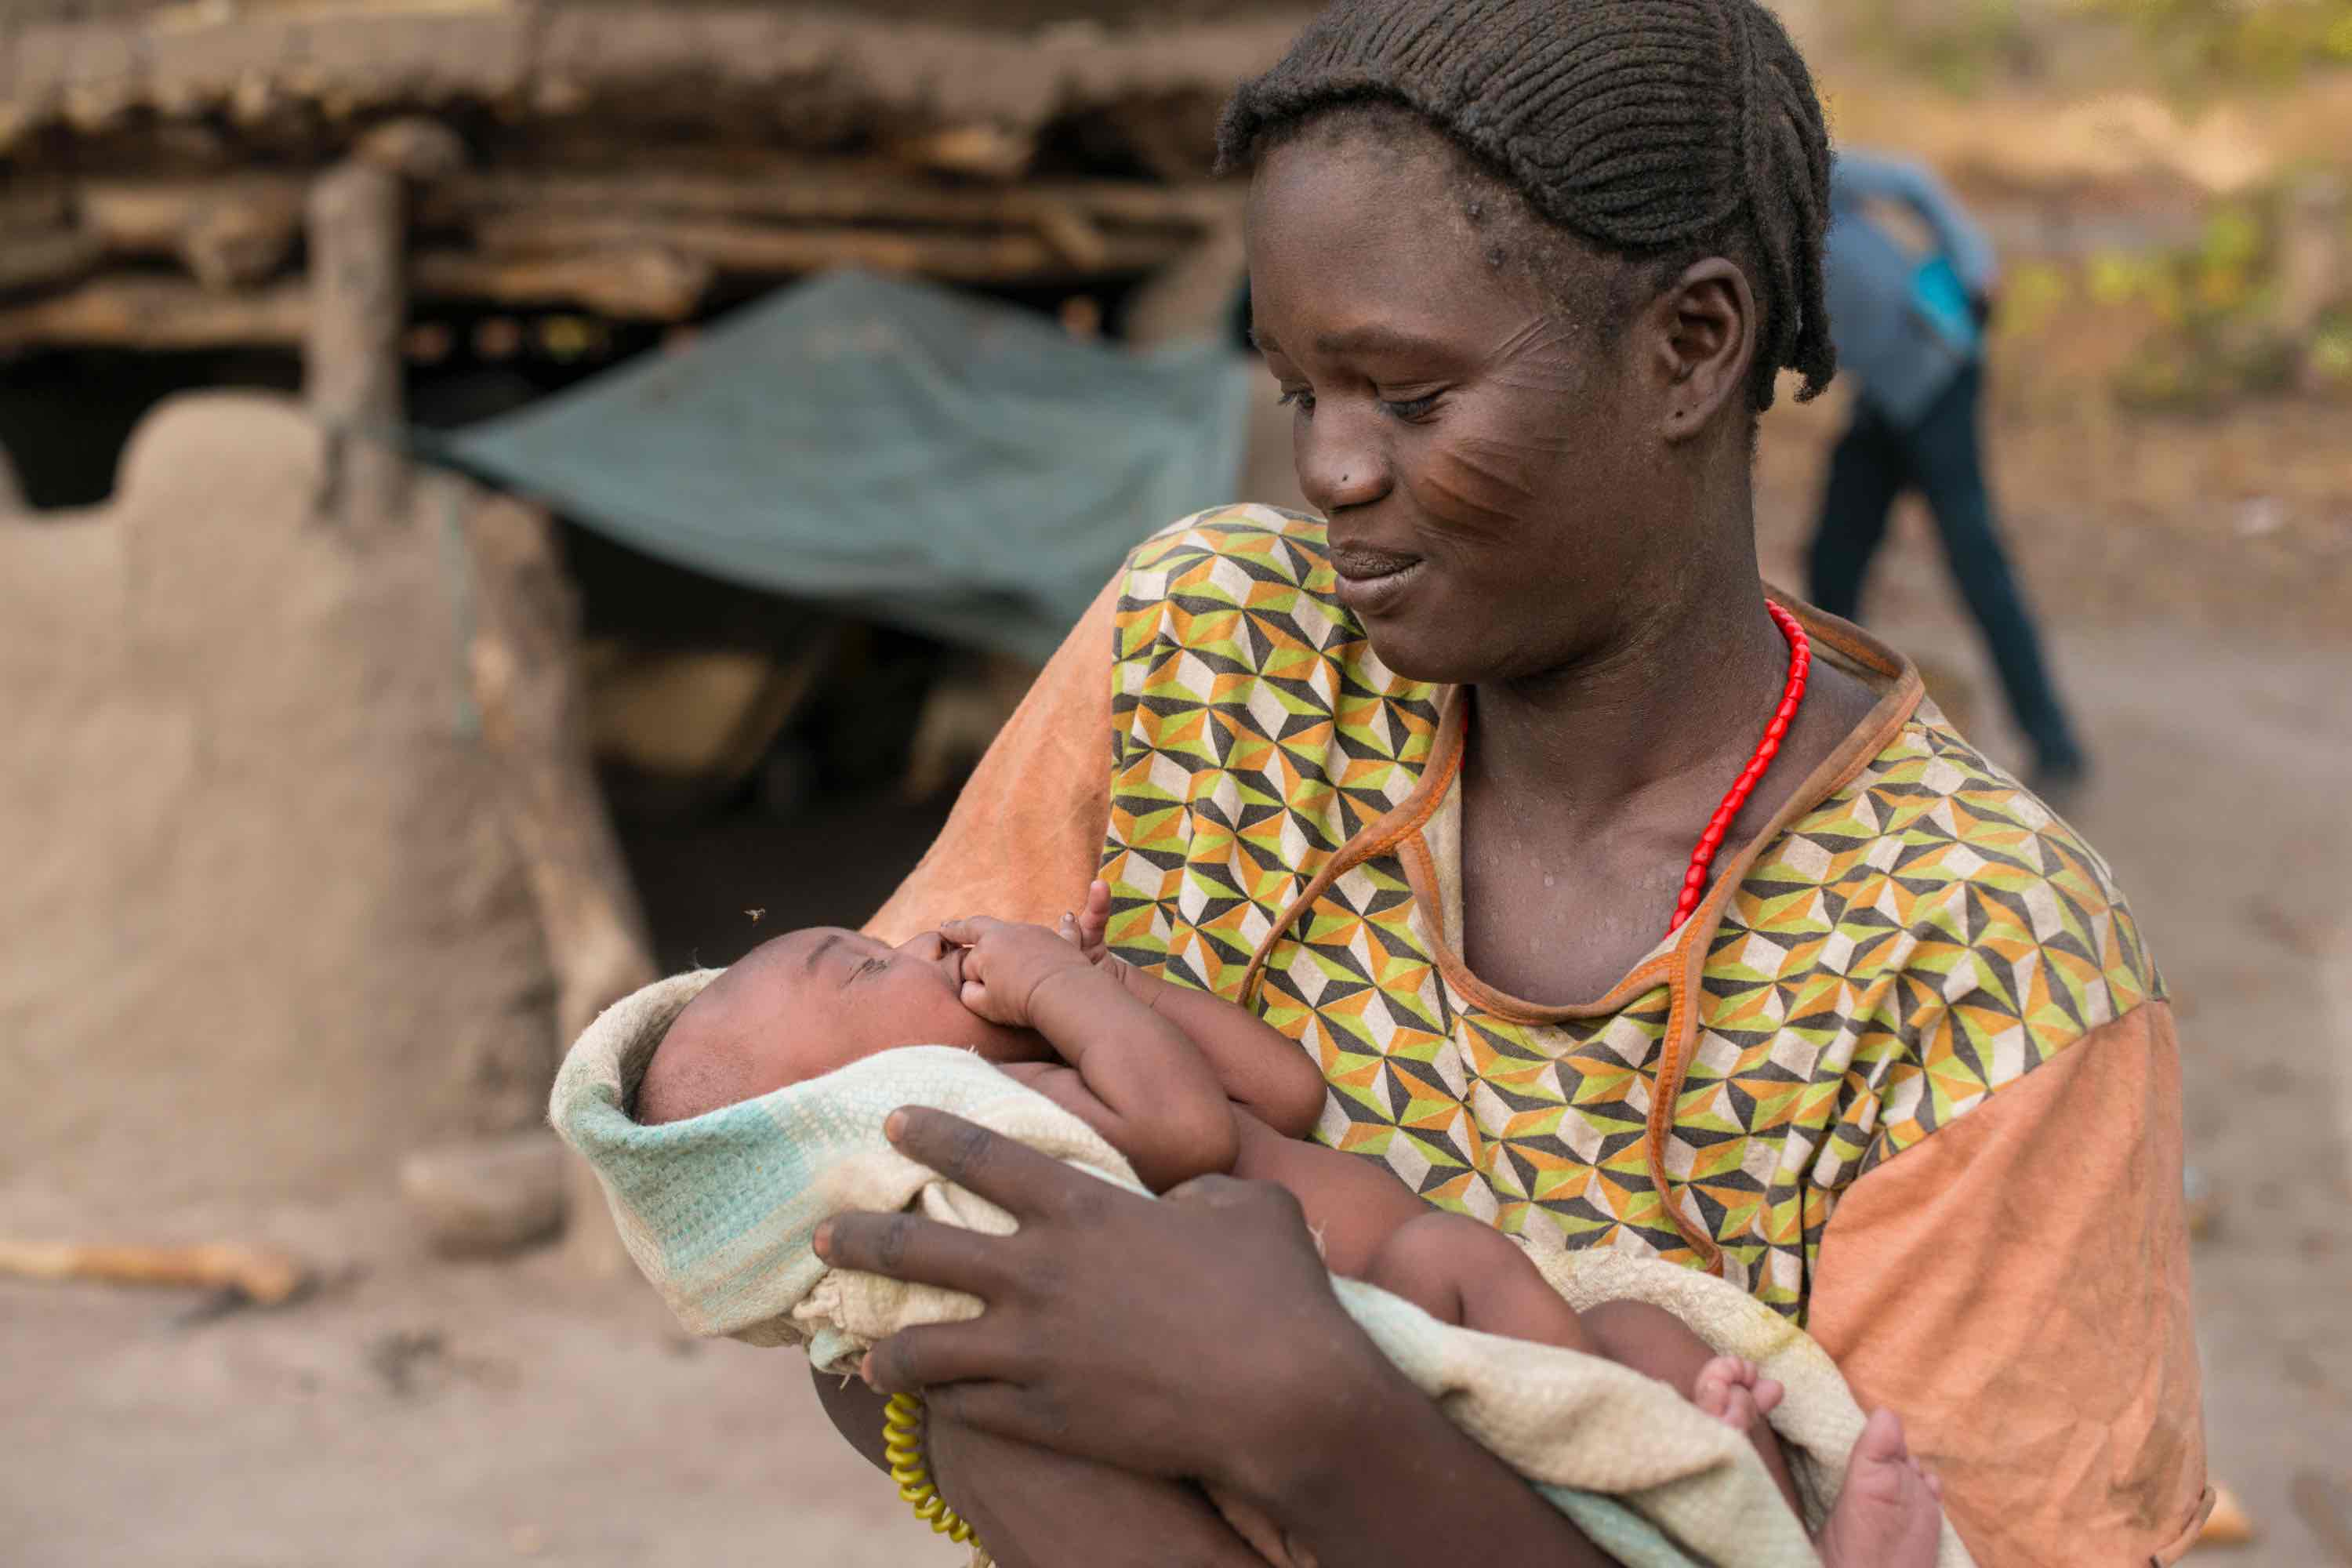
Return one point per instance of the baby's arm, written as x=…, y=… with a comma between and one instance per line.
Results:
x=1262, y=1069
x=1142, y=1084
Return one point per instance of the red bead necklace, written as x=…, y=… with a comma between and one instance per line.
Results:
x=1800, y=663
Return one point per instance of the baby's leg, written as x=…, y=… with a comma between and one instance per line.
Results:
x=1459, y=1271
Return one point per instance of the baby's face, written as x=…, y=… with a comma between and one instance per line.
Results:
x=858, y=996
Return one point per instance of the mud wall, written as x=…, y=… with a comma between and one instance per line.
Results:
x=262, y=930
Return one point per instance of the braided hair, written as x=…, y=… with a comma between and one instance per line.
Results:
x=1657, y=132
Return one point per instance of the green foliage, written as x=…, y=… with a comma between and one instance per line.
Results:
x=1959, y=45
x=2202, y=44
x=2212, y=306
x=2330, y=357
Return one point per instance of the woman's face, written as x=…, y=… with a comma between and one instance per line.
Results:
x=1489, y=467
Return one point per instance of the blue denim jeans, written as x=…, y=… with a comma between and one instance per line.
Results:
x=1942, y=458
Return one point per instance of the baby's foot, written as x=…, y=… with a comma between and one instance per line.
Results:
x=1734, y=1391
x=1887, y=1515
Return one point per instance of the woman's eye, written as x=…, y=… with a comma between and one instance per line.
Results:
x=1413, y=407
x=1298, y=397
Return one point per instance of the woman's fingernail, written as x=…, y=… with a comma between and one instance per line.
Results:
x=894, y=1124
x=823, y=1240
x=865, y=1368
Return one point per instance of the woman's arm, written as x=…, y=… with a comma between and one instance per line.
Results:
x=1026, y=834
x=2017, y=1286
x=1033, y=1506
x=1195, y=1338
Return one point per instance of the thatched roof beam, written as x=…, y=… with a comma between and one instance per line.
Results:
x=157, y=313
x=45, y=259
x=762, y=249
x=982, y=96
x=642, y=283
x=829, y=193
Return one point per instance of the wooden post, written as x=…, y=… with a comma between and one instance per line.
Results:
x=1193, y=296
x=357, y=308
x=12, y=494
x=525, y=667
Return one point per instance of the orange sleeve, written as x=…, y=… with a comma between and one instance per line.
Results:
x=2016, y=1288
x=1026, y=834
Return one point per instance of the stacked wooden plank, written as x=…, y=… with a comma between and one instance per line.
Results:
x=627, y=161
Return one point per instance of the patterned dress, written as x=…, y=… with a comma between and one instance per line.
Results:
x=1893, y=954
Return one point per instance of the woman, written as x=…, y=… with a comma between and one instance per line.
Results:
x=1427, y=782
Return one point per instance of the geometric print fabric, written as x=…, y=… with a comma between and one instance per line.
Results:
x=1923, y=937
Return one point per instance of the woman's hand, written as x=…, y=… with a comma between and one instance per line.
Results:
x=1196, y=1336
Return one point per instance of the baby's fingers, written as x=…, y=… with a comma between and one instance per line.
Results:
x=965, y=931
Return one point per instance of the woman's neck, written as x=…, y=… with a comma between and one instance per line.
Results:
x=1672, y=705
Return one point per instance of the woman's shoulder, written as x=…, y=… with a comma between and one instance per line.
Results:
x=1261, y=539
x=1951, y=849
x=1236, y=610
x=1250, y=590
x=1976, y=934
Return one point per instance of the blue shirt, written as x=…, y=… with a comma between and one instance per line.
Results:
x=1890, y=313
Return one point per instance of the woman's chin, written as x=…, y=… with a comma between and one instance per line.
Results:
x=1408, y=652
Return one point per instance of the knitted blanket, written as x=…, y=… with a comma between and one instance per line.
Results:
x=719, y=1212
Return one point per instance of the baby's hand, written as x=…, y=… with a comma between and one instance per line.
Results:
x=1005, y=965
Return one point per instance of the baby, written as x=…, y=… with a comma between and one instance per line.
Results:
x=1185, y=1084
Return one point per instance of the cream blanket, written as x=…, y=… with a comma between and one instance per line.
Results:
x=719, y=1212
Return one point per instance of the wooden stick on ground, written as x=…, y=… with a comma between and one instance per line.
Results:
x=262, y=1278
x=525, y=666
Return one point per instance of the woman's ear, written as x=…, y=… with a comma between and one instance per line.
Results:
x=1707, y=343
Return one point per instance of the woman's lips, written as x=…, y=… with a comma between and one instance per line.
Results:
x=1372, y=580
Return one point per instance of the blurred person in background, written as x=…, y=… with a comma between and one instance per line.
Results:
x=1910, y=331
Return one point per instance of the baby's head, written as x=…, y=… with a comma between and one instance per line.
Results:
x=810, y=1002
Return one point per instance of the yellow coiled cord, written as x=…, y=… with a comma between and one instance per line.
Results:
x=902, y=1445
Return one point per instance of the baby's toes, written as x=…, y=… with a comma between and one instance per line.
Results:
x=1721, y=1390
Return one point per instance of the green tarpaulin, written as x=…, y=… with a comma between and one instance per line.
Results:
x=954, y=465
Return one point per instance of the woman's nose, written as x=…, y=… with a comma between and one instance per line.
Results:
x=928, y=946
x=1340, y=462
